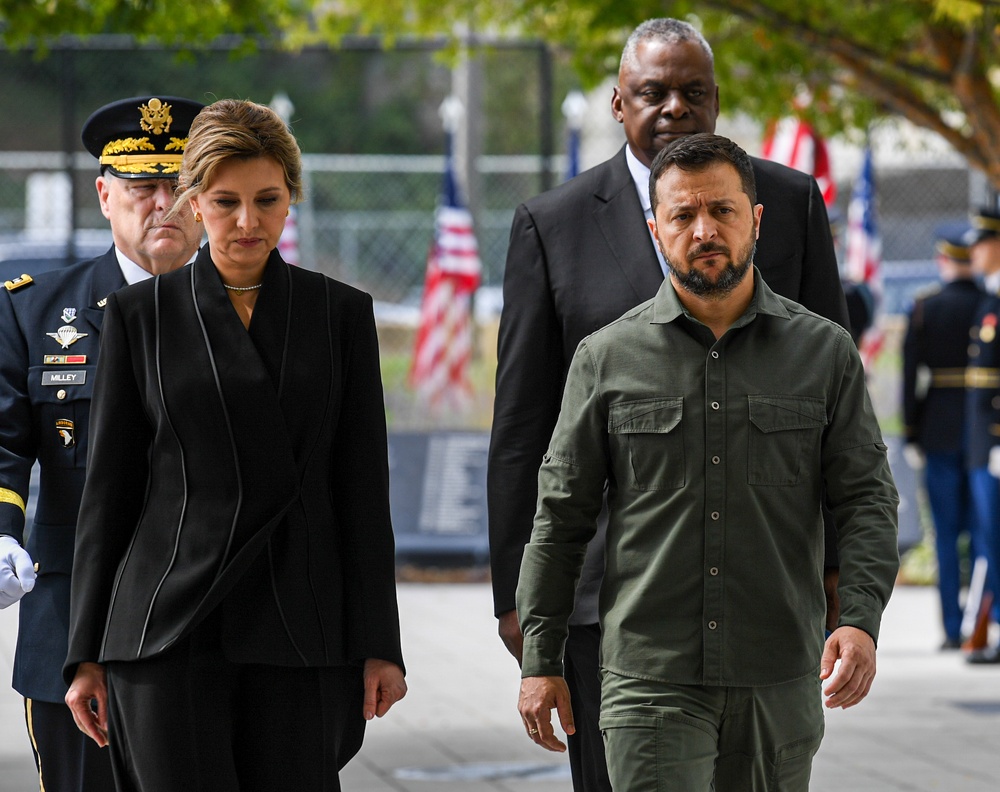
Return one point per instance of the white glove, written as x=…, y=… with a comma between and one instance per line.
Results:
x=17, y=572
x=994, y=463
x=914, y=456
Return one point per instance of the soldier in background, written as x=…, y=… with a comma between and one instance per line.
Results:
x=935, y=353
x=51, y=326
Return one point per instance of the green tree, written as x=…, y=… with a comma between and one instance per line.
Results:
x=38, y=22
x=935, y=62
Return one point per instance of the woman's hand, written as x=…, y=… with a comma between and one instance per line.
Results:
x=90, y=684
x=384, y=686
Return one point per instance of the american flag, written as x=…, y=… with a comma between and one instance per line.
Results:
x=793, y=142
x=440, y=371
x=864, y=249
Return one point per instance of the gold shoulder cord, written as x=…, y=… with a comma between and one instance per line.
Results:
x=9, y=496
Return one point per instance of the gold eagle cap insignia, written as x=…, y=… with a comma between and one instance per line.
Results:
x=155, y=117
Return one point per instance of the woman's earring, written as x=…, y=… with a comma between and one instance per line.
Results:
x=288, y=212
x=197, y=217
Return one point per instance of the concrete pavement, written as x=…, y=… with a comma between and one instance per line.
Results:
x=931, y=722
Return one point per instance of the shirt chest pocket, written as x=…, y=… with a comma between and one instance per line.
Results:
x=61, y=401
x=785, y=437
x=647, y=442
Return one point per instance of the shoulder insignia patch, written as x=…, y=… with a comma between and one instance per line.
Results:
x=17, y=283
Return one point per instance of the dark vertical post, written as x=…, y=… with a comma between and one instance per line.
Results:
x=545, y=114
x=69, y=136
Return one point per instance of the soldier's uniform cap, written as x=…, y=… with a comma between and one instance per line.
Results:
x=141, y=138
x=952, y=240
x=985, y=225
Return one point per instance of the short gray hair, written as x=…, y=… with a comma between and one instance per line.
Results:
x=669, y=31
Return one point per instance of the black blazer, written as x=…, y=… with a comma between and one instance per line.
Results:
x=580, y=256
x=246, y=469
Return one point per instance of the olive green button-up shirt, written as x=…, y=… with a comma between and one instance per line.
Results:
x=715, y=454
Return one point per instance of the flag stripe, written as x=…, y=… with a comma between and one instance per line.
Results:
x=795, y=143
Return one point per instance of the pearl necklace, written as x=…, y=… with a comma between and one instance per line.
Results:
x=242, y=288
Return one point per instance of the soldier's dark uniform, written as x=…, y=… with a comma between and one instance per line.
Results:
x=983, y=419
x=51, y=325
x=935, y=353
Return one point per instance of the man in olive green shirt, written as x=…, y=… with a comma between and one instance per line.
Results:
x=716, y=414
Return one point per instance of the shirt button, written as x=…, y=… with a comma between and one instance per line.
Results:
x=713, y=571
x=715, y=354
x=60, y=394
x=715, y=405
x=712, y=625
x=716, y=460
x=715, y=515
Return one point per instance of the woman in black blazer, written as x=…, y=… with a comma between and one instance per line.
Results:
x=233, y=597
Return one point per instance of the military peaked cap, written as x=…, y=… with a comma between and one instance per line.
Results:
x=141, y=138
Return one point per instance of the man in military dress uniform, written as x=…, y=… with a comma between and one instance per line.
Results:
x=983, y=405
x=51, y=326
x=935, y=353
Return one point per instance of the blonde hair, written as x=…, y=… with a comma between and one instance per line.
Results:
x=236, y=128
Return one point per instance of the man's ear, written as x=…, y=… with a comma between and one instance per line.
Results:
x=103, y=189
x=616, y=105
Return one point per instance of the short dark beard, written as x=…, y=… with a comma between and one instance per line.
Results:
x=695, y=282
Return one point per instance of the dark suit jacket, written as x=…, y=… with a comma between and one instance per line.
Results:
x=579, y=257
x=246, y=469
x=37, y=398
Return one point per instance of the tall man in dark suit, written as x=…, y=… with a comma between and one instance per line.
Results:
x=935, y=353
x=51, y=327
x=579, y=257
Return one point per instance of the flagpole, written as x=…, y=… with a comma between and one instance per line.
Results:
x=574, y=108
x=444, y=344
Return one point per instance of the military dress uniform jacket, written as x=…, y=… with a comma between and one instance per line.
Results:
x=241, y=470
x=983, y=384
x=45, y=391
x=572, y=267
x=935, y=354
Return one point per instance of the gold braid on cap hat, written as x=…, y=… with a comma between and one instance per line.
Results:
x=154, y=117
x=986, y=223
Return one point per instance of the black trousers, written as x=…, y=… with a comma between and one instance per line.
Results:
x=66, y=758
x=587, y=763
x=192, y=720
